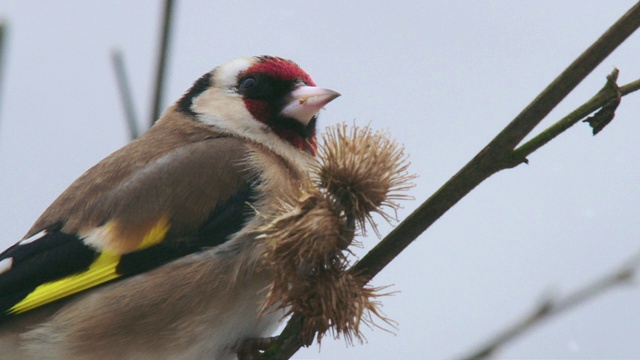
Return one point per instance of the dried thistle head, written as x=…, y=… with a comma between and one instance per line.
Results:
x=338, y=303
x=306, y=237
x=365, y=171
x=304, y=232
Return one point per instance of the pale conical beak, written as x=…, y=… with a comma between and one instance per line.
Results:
x=306, y=101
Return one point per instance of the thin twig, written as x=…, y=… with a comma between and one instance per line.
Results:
x=630, y=87
x=3, y=51
x=494, y=157
x=125, y=93
x=599, y=100
x=490, y=160
x=551, y=306
x=167, y=16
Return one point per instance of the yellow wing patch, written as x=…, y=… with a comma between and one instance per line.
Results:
x=102, y=269
x=156, y=234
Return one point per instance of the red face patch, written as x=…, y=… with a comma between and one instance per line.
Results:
x=263, y=98
x=308, y=144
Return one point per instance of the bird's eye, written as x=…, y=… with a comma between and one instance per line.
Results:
x=248, y=83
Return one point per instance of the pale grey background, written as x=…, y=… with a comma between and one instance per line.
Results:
x=442, y=77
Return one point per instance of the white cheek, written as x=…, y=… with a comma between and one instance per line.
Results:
x=225, y=111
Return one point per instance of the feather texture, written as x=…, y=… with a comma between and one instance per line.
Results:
x=151, y=253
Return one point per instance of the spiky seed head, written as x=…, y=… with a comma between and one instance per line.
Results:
x=307, y=235
x=304, y=232
x=365, y=171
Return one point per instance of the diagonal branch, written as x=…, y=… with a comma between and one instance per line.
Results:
x=551, y=306
x=609, y=93
x=493, y=158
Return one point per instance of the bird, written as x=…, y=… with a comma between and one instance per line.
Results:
x=152, y=253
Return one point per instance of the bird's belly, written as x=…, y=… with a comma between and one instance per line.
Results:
x=203, y=314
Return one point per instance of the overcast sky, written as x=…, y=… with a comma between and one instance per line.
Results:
x=442, y=77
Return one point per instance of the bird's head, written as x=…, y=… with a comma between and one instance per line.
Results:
x=266, y=99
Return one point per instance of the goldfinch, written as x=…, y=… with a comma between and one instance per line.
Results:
x=151, y=253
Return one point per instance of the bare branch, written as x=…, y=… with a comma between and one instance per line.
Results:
x=3, y=51
x=125, y=93
x=610, y=92
x=551, y=306
x=167, y=16
x=493, y=158
x=630, y=87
